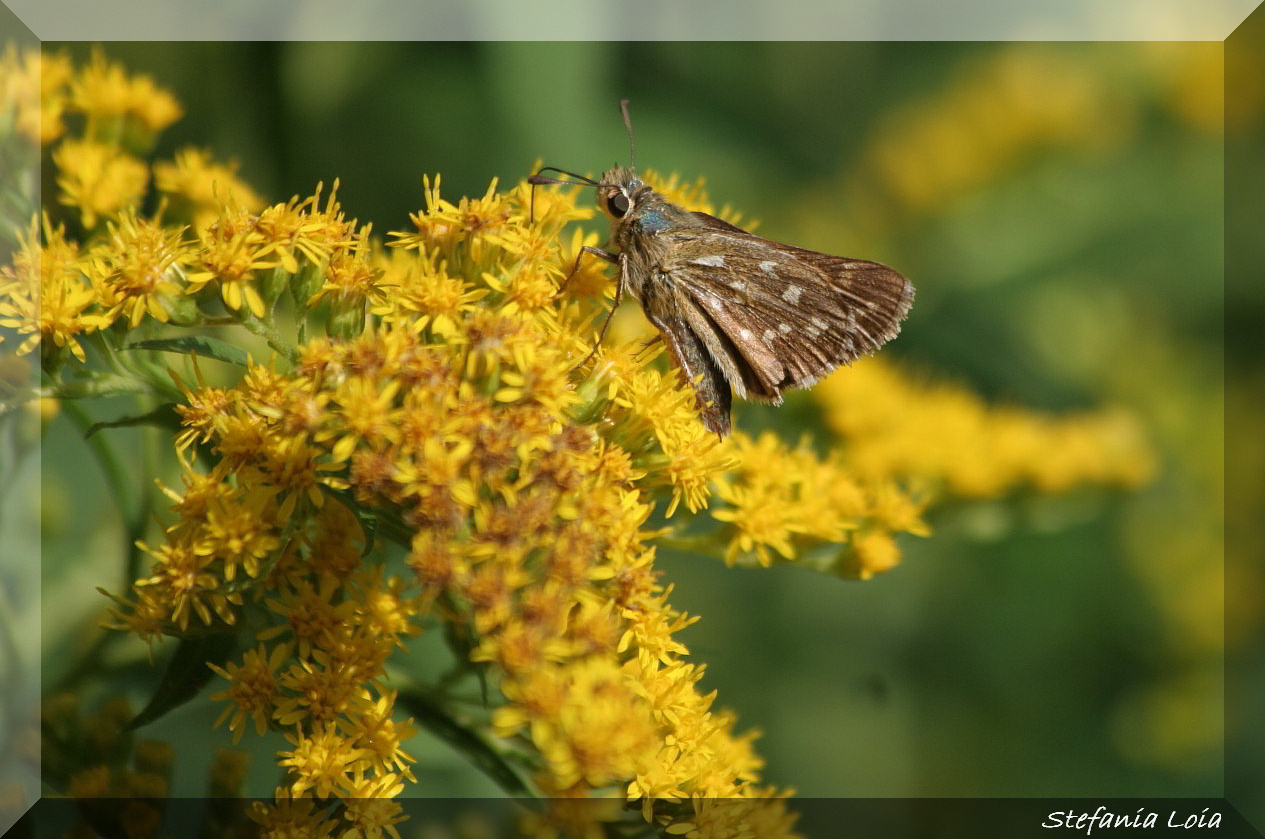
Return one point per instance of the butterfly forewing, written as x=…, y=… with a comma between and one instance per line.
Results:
x=793, y=314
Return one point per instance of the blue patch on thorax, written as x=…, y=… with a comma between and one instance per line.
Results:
x=653, y=221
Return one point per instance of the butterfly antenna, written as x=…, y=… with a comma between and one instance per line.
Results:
x=541, y=178
x=632, y=147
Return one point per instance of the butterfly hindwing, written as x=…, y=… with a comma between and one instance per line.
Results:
x=701, y=370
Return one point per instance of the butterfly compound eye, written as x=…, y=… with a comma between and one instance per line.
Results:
x=617, y=204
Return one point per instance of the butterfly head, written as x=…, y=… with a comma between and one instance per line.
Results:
x=619, y=192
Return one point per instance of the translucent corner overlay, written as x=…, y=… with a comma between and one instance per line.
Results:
x=20, y=513
x=858, y=20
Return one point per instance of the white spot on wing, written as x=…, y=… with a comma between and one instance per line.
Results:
x=745, y=333
x=715, y=260
x=769, y=335
x=819, y=323
x=784, y=329
x=769, y=267
x=792, y=293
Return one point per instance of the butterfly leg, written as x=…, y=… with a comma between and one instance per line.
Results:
x=644, y=352
x=619, y=296
x=575, y=266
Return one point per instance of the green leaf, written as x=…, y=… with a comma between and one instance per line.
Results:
x=202, y=345
x=164, y=416
x=187, y=673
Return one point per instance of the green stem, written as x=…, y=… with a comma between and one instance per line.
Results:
x=271, y=335
x=151, y=457
x=121, y=489
x=436, y=718
x=701, y=544
x=134, y=522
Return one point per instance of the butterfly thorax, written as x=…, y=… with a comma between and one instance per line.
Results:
x=639, y=216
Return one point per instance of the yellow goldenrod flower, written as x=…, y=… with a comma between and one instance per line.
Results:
x=196, y=185
x=230, y=252
x=381, y=735
x=761, y=525
x=97, y=179
x=873, y=553
x=300, y=228
x=601, y=730
x=121, y=108
x=352, y=284
x=321, y=689
x=419, y=290
x=584, y=277
x=311, y=614
x=139, y=269
x=93, y=782
x=371, y=813
x=183, y=572
x=34, y=87
x=253, y=689
x=324, y=762
x=44, y=294
x=791, y=502
x=474, y=223
x=293, y=815
x=147, y=615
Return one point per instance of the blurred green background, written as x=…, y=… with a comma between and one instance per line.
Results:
x=1060, y=210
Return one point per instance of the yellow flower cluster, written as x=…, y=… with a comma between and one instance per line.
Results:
x=455, y=424
x=901, y=428
x=56, y=292
x=794, y=506
x=100, y=170
x=44, y=295
x=436, y=459
x=985, y=123
x=35, y=90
